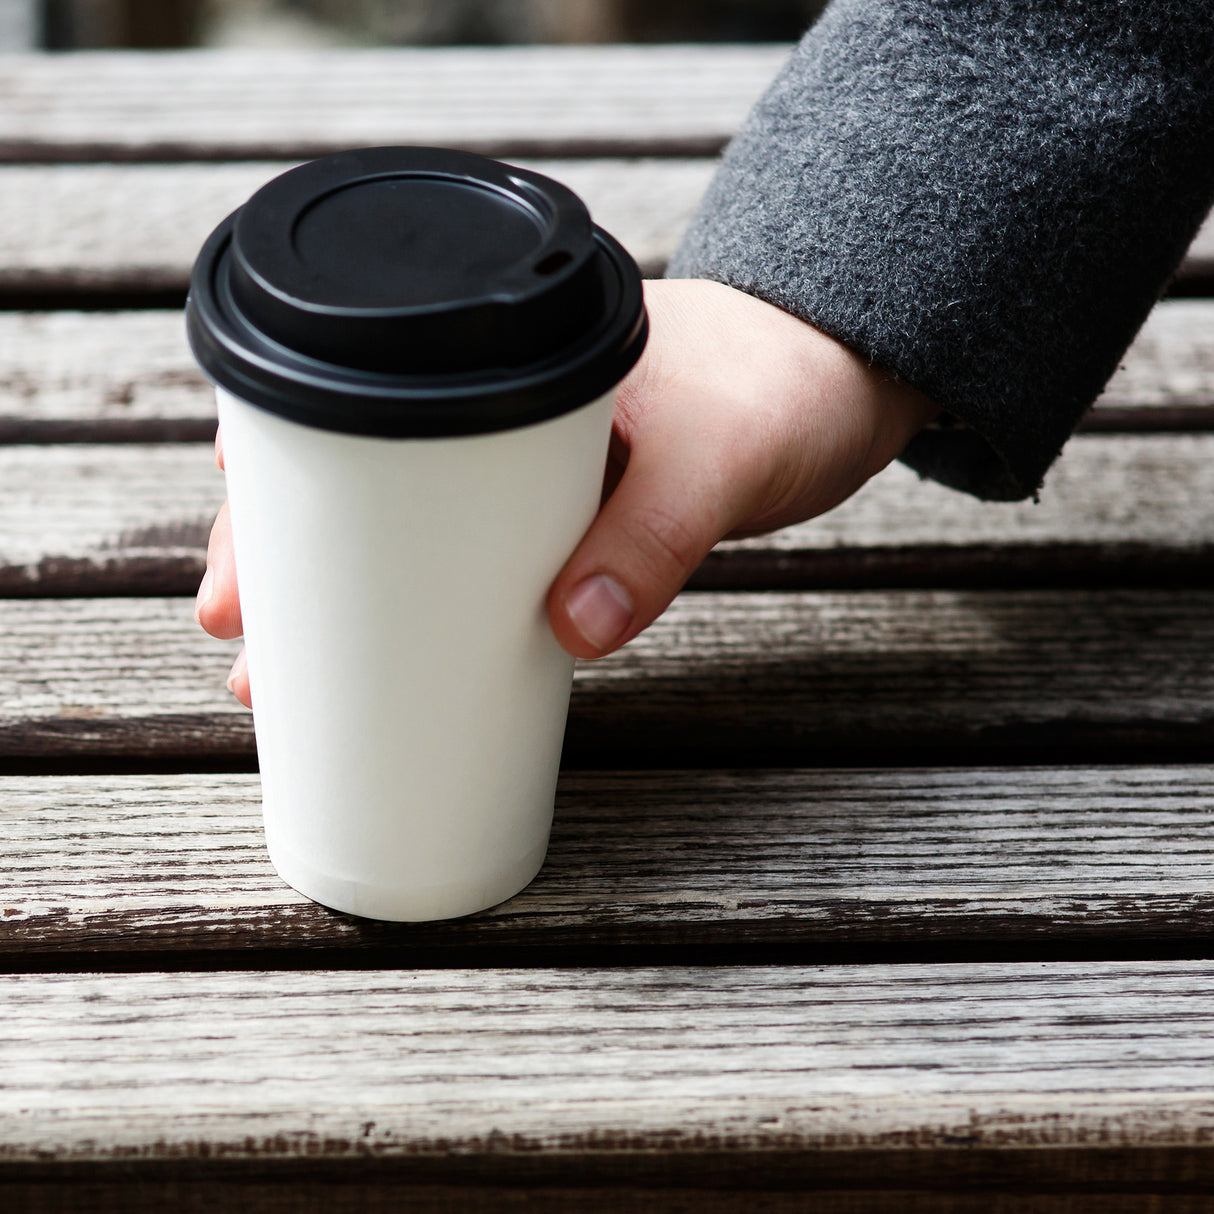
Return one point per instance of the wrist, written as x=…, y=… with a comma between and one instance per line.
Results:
x=901, y=412
x=886, y=411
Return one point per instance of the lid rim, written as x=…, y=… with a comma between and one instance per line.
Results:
x=431, y=414
x=337, y=394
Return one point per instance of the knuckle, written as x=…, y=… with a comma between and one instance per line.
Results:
x=665, y=541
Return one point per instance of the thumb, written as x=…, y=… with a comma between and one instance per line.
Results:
x=658, y=525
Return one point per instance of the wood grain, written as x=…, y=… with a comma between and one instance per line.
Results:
x=99, y=686
x=1016, y=1087
x=133, y=228
x=137, y=228
x=113, y=519
x=1170, y=364
x=1124, y=509
x=593, y=1073
x=818, y=674
x=811, y=677
x=100, y=376
x=240, y=105
x=111, y=867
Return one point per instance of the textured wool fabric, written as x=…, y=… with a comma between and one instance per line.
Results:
x=984, y=197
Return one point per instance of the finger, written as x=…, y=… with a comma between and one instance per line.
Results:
x=238, y=679
x=670, y=508
x=617, y=461
x=219, y=448
x=217, y=608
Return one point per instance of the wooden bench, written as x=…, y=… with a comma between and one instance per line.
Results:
x=883, y=872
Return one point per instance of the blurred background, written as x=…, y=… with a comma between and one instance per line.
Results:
x=85, y=24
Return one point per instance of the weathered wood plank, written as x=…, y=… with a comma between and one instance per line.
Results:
x=1170, y=365
x=100, y=376
x=821, y=674
x=112, y=866
x=134, y=519
x=106, y=663
x=66, y=376
x=137, y=228
x=812, y=677
x=113, y=519
x=239, y=105
x=1125, y=509
x=1090, y=1073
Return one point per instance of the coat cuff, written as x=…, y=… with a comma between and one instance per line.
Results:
x=984, y=198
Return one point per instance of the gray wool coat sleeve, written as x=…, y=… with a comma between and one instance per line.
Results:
x=983, y=196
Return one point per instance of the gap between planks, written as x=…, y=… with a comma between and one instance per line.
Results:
x=644, y=863
x=368, y=1190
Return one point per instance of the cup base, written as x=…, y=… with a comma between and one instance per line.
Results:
x=418, y=904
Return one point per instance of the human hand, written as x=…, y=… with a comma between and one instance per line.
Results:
x=217, y=607
x=738, y=419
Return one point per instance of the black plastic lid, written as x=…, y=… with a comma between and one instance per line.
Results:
x=414, y=292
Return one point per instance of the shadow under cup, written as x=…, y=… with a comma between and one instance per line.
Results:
x=415, y=353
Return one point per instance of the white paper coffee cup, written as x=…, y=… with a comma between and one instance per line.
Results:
x=401, y=503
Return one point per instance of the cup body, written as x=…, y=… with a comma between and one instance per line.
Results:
x=409, y=696
x=415, y=352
